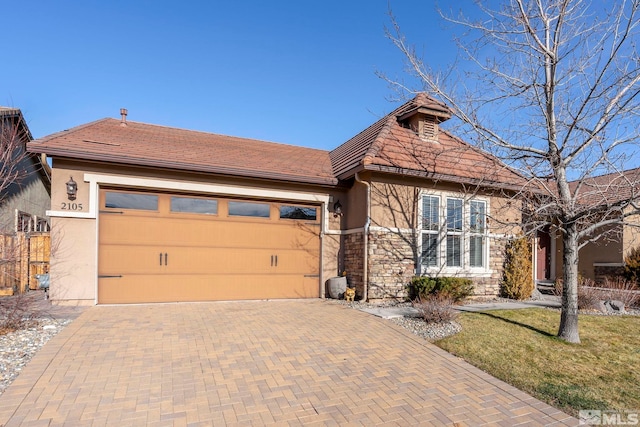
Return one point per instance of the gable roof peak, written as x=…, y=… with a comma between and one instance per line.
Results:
x=423, y=105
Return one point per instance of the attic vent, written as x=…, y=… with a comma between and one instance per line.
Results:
x=428, y=128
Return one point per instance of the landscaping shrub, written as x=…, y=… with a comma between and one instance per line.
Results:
x=16, y=311
x=454, y=288
x=518, y=270
x=588, y=296
x=621, y=290
x=435, y=308
x=632, y=266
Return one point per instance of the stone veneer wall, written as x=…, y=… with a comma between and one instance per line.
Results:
x=353, y=261
x=490, y=286
x=391, y=266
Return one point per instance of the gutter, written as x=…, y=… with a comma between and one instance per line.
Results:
x=365, y=240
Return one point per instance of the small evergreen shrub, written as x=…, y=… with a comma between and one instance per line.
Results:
x=632, y=265
x=454, y=288
x=518, y=282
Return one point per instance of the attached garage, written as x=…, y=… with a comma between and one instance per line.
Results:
x=163, y=247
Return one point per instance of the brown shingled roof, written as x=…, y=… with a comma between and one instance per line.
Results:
x=158, y=146
x=609, y=189
x=388, y=146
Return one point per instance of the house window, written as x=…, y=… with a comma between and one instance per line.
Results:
x=454, y=233
x=477, y=228
x=458, y=240
x=430, y=230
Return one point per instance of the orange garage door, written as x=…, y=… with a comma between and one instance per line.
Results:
x=167, y=248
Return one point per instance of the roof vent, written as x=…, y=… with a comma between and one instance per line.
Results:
x=428, y=128
x=123, y=113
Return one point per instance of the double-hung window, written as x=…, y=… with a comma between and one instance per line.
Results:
x=477, y=228
x=430, y=230
x=453, y=232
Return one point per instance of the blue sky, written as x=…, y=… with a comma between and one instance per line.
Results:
x=296, y=72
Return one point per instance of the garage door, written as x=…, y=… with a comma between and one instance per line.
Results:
x=166, y=248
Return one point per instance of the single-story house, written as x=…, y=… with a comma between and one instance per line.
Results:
x=147, y=213
x=25, y=178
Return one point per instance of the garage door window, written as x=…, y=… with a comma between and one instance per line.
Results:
x=298, y=212
x=260, y=210
x=193, y=205
x=118, y=200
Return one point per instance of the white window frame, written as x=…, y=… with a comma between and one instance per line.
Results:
x=465, y=267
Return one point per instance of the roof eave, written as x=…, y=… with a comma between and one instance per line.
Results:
x=167, y=164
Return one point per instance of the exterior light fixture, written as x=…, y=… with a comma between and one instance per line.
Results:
x=72, y=189
x=337, y=209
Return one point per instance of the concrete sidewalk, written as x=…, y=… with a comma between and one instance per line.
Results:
x=408, y=311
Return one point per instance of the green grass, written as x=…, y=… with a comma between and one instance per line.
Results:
x=520, y=348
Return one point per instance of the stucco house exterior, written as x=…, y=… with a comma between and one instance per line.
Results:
x=25, y=185
x=146, y=213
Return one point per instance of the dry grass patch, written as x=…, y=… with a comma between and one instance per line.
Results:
x=520, y=348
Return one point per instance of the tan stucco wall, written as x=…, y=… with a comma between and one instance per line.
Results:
x=605, y=250
x=355, y=209
x=393, y=204
x=59, y=198
x=73, y=268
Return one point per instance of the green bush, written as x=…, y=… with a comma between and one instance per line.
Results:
x=632, y=265
x=517, y=280
x=454, y=288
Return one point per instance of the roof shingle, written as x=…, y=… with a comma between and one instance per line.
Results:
x=151, y=145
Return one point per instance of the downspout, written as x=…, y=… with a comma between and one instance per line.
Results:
x=365, y=240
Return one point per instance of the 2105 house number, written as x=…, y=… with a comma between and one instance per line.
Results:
x=71, y=206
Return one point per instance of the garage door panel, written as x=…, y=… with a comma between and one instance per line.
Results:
x=169, y=288
x=164, y=257
x=127, y=259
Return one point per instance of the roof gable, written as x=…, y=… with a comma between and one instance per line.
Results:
x=389, y=145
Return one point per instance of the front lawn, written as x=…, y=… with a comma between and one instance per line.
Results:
x=520, y=348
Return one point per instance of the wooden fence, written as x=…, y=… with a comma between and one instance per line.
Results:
x=22, y=256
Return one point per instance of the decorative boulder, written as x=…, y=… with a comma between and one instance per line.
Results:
x=616, y=306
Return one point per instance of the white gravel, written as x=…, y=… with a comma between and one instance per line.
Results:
x=18, y=347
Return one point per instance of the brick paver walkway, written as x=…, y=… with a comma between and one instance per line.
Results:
x=255, y=363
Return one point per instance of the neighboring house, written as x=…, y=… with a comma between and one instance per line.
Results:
x=25, y=178
x=606, y=196
x=146, y=213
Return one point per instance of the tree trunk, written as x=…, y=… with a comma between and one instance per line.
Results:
x=569, y=319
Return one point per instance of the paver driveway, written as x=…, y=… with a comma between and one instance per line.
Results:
x=255, y=363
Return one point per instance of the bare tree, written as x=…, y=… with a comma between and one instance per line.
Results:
x=551, y=87
x=13, y=154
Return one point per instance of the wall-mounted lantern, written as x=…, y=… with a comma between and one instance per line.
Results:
x=72, y=189
x=337, y=209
